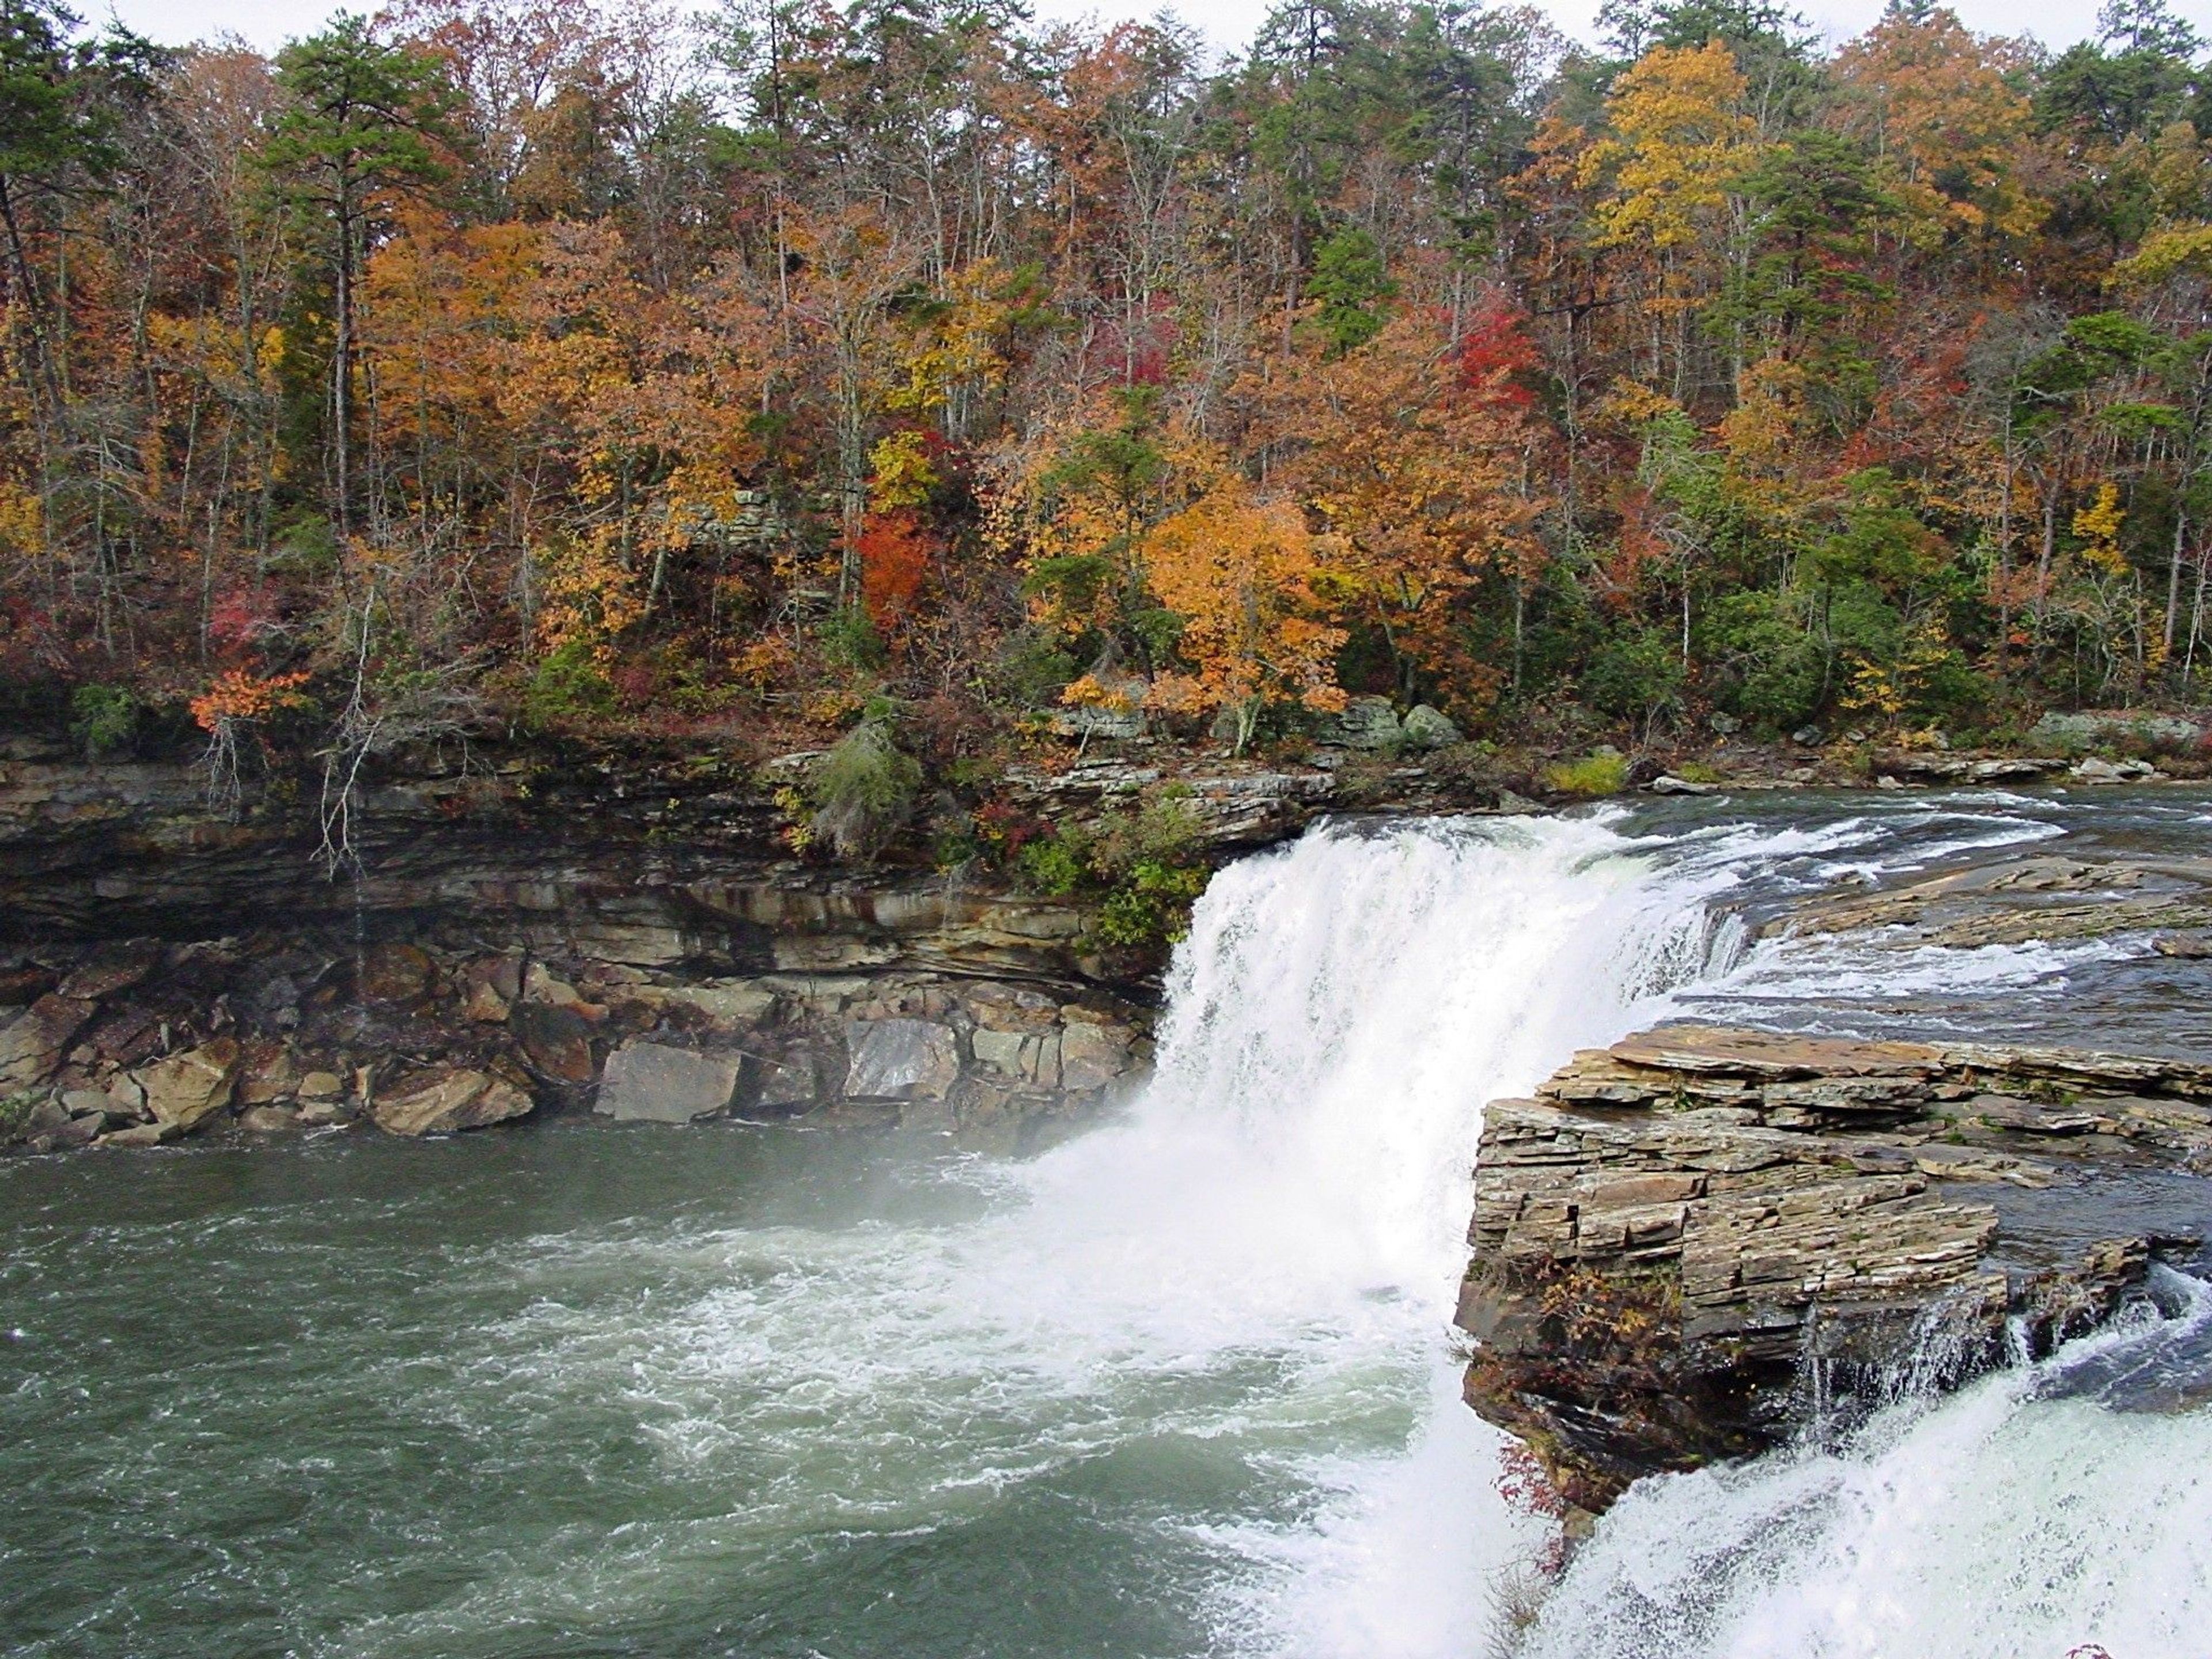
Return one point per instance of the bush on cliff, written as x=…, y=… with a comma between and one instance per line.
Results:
x=863, y=789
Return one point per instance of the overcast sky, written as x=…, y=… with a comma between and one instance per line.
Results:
x=1229, y=23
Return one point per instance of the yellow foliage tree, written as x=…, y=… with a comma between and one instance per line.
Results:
x=1933, y=102
x=1246, y=576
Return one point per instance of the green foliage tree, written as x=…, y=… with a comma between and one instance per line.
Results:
x=362, y=119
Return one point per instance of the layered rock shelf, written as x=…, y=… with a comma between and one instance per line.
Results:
x=510, y=941
x=140, y=1043
x=1700, y=1243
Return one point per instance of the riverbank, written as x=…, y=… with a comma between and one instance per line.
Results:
x=496, y=930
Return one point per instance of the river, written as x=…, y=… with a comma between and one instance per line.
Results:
x=1185, y=1385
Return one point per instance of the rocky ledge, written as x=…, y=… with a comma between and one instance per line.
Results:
x=141, y=1043
x=1699, y=1243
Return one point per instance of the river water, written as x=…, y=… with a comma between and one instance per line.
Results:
x=1183, y=1386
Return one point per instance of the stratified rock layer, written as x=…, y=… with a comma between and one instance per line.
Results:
x=1690, y=1242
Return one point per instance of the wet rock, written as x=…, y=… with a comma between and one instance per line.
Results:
x=271, y=1073
x=186, y=1090
x=113, y=970
x=787, y=1086
x=900, y=1059
x=556, y=1039
x=1092, y=1054
x=138, y=1134
x=1675, y=1226
x=2016, y=900
x=20, y=986
x=33, y=1042
x=395, y=973
x=2016, y=768
x=1666, y=784
x=655, y=1082
x=491, y=986
x=268, y=1121
x=448, y=1102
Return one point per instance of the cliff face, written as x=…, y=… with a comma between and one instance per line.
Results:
x=516, y=936
x=1692, y=1245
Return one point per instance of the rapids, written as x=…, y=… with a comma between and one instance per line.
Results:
x=1185, y=1385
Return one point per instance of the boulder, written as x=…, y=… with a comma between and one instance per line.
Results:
x=447, y=1101
x=112, y=969
x=268, y=1121
x=786, y=1086
x=901, y=1060
x=491, y=986
x=734, y=1008
x=395, y=973
x=33, y=1042
x=271, y=1073
x=321, y=1085
x=655, y=1082
x=1366, y=723
x=2124, y=729
x=1429, y=728
x=1092, y=1054
x=541, y=984
x=138, y=1134
x=1098, y=720
x=556, y=1039
x=999, y=1051
x=186, y=1090
x=1667, y=784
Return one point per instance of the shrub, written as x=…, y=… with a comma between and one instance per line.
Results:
x=1593, y=775
x=1142, y=866
x=1774, y=672
x=15, y=1115
x=1638, y=678
x=567, y=688
x=863, y=789
x=1054, y=865
x=1151, y=905
x=849, y=640
x=104, y=719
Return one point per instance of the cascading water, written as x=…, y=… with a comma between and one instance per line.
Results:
x=1183, y=1385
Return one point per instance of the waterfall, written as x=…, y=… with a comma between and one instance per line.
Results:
x=1187, y=1384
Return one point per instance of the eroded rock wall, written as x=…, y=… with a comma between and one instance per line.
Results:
x=1689, y=1244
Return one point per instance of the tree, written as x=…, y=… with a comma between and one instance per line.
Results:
x=363, y=121
x=1245, y=578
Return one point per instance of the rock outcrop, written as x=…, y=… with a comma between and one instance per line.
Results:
x=2041, y=896
x=1692, y=1245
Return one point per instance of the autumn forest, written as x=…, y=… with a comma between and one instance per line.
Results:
x=801, y=367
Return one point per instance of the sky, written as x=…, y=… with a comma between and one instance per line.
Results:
x=1228, y=23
